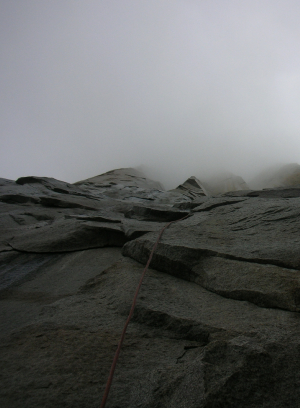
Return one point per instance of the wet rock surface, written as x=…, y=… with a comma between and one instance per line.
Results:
x=217, y=319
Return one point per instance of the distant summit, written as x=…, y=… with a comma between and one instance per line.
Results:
x=278, y=176
x=224, y=183
x=221, y=183
x=125, y=176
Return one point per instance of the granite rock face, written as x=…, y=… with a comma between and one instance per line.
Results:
x=217, y=319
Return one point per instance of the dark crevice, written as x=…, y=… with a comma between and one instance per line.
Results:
x=183, y=329
x=125, y=238
x=60, y=252
x=29, y=297
x=215, y=205
x=6, y=250
x=186, y=349
x=254, y=260
x=267, y=301
x=192, y=257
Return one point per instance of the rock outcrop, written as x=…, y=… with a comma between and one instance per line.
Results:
x=192, y=187
x=217, y=319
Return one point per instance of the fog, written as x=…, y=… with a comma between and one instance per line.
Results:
x=180, y=87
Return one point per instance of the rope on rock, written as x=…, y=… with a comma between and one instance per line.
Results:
x=114, y=363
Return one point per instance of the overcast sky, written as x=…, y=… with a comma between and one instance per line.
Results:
x=182, y=87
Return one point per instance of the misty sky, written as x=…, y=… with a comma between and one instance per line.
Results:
x=182, y=87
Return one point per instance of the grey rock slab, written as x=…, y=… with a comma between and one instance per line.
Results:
x=6, y=182
x=23, y=193
x=134, y=228
x=185, y=344
x=256, y=230
x=62, y=201
x=18, y=199
x=68, y=235
x=251, y=235
x=165, y=300
x=139, y=195
x=28, y=282
x=17, y=216
x=17, y=220
x=48, y=192
x=244, y=372
x=222, y=331
x=49, y=183
x=234, y=345
x=53, y=274
x=189, y=205
x=35, y=214
x=131, y=186
x=264, y=285
x=173, y=198
x=67, y=365
x=130, y=194
x=155, y=213
x=100, y=217
x=15, y=267
x=214, y=202
x=237, y=373
x=12, y=188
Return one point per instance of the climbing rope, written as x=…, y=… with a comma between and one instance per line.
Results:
x=114, y=363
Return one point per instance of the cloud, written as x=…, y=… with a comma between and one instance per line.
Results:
x=181, y=87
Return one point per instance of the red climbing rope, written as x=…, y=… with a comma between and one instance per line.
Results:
x=113, y=366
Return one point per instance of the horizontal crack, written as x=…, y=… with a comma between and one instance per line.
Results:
x=59, y=252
